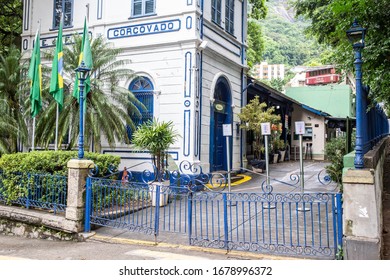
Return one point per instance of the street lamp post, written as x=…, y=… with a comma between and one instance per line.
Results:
x=82, y=72
x=356, y=36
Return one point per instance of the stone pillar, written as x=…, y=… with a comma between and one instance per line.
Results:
x=362, y=215
x=77, y=174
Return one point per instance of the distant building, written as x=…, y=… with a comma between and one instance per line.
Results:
x=314, y=76
x=265, y=71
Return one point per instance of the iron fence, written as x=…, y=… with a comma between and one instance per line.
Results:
x=277, y=223
x=44, y=191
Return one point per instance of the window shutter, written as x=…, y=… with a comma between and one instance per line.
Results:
x=137, y=7
x=149, y=7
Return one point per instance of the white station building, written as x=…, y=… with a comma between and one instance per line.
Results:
x=189, y=57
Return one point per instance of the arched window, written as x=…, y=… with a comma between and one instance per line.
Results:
x=142, y=88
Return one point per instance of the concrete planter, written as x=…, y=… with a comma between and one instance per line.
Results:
x=282, y=155
x=276, y=156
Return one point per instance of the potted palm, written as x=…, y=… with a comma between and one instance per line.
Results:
x=156, y=137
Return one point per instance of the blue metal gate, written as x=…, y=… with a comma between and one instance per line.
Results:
x=293, y=224
x=307, y=225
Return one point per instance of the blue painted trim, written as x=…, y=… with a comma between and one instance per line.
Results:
x=67, y=38
x=189, y=2
x=200, y=103
x=187, y=103
x=128, y=30
x=242, y=33
x=196, y=134
x=187, y=69
x=175, y=155
x=189, y=22
x=26, y=15
x=198, y=81
x=317, y=112
x=187, y=133
x=25, y=44
x=201, y=20
x=99, y=9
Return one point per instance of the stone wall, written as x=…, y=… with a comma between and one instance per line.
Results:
x=37, y=224
x=362, y=203
x=42, y=224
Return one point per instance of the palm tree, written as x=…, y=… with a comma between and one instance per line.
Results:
x=108, y=105
x=13, y=125
x=156, y=137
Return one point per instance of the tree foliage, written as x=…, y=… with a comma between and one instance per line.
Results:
x=285, y=41
x=11, y=99
x=108, y=104
x=255, y=40
x=330, y=19
x=11, y=17
x=156, y=137
x=252, y=115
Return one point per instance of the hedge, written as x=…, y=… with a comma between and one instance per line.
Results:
x=53, y=162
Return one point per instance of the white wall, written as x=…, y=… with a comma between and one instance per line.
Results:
x=162, y=47
x=318, y=125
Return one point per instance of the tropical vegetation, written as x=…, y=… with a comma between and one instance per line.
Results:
x=330, y=19
x=156, y=137
x=102, y=119
x=13, y=126
x=252, y=116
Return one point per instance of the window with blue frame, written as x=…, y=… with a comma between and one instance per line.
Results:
x=216, y=11
x=229, y=16
x=143, y=8
x=142, y=88
x=65, y=7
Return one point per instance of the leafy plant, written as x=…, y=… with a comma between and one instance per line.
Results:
x=156, y=137
x=335, y=150
x=252, y=115
x=53, y=162
x=108, y=103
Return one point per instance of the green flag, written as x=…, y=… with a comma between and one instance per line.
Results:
x=86, y=56
x=35, y=75
x=57, y=80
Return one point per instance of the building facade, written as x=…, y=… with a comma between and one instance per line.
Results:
x=189, y=61
x=265, y=71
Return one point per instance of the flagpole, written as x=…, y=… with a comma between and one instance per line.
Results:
x=33, y=136
x=56, y=137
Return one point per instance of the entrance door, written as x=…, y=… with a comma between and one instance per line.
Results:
x=220, y=114
x=219, y=145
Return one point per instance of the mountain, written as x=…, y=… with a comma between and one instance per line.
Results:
x=285, y=40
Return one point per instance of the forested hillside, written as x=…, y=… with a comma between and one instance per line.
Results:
x=285, y=41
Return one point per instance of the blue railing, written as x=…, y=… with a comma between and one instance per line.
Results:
x=44, y=191
x=132, y=206
x=287, y=224
x=294, y=224
x=371, y=125
x=377, y=127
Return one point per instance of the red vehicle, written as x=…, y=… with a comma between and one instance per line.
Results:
x=321, y=76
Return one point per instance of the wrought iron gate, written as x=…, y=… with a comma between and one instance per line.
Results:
x=294, y=224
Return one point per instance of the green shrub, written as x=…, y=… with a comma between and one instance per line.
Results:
x=335, y=151
x=53, y=162
x=16, y=181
